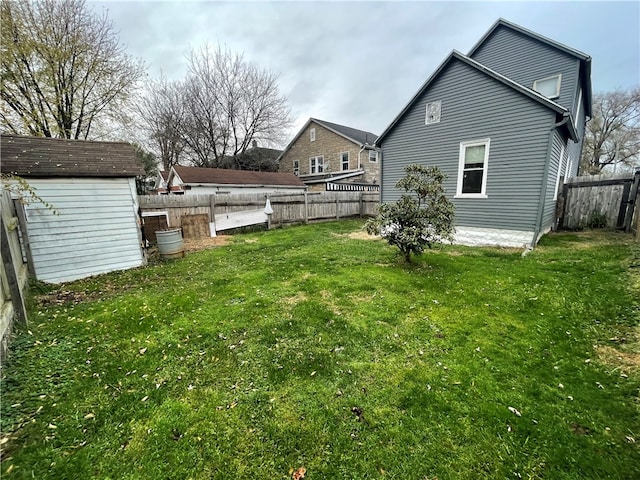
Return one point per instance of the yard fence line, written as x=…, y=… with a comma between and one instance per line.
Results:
x=288, y=208
x=612, y=200
x=13, y=271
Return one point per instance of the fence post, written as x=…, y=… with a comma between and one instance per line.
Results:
x=22, y=222
x=361, y=203
x=563, y=211
x=17, y=298
x=306, y=208
x=632, y=202
x=337, y=207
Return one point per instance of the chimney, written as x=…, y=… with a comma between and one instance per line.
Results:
x=254, y=144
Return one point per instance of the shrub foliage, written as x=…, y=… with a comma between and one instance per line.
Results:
x=423, y=216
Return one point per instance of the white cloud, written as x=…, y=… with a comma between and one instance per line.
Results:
x=358, y=63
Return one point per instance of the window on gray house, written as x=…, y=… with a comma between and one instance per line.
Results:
x=472, y=169
x=549, y=86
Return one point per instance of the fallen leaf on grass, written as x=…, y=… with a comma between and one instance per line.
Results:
x=299, y=473
x=515, y=412
x=89, y=416
x=142, y=350
x=145, y=399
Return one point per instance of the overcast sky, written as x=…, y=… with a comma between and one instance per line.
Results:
x=358, y=63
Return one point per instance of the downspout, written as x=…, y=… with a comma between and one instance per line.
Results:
x=359, y=160
x=545, y=179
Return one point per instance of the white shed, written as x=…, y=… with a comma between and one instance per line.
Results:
x=93, y=225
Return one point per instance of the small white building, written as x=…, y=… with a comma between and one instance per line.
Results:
x=197, y=180
x=90, y=225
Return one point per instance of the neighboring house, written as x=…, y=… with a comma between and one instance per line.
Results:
x=91, y=185
x=197, y=180
x=328, y=156
x=160, y=187
x=506, y=124
x=255, y=158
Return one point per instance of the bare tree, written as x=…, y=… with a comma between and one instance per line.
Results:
x=63, y=68
x=229, y=104
x=612, y=136
x=162, y=111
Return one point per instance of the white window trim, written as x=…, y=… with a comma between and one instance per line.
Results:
x=318, y=163
x=342, y=161
x=560, y=160
x=426, y=116
x=312, y=135
x=558, y=77
x=376, y=156
x=296, y=169
x=485, y=168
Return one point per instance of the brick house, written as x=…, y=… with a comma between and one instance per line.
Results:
x=328, y=156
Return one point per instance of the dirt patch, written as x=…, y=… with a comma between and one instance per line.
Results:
x=362, y=236
x=63, y=297
x=203, y=243
x=627, y=361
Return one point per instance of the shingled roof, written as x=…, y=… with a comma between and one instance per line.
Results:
x=215, y=176
x=359, y=136
x=43, y=157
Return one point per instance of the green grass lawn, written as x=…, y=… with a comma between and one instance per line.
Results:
x=312, y=347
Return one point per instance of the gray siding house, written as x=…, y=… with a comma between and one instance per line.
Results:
x=505, y=123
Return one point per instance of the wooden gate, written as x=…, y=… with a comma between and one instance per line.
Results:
x=610, y=202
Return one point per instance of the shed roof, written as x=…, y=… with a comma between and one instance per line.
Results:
x=223, y=176
x=43, y=157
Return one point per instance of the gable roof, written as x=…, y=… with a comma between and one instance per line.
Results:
x=585, y=60
x=359, y=137
x=457, y=56
x=224, y=176
x=44, y=157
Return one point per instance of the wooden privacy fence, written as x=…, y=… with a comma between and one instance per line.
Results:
x=598, y=199
x=288, y=208
x=13, y=271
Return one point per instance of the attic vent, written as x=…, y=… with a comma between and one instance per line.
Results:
x=433, y=112
x=312, y=135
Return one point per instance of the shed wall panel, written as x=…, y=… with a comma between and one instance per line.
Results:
x=93, y=230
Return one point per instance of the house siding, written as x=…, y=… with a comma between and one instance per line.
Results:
x=329, y=145
x=95, y=231
x=476, y=107
x=558, y=154
x=525, y=60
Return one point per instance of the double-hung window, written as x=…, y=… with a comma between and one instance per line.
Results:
x=344, y=160
x=373, y=156
x=316, y=164
x=296, y=167
x=472, y=169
